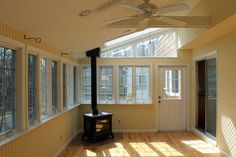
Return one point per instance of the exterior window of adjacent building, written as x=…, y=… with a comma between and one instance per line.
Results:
x=74, y=85
x=86, y=85
x=64, y=92
x=126, y=84
x=7, y=90
x=54, y=87
x=105, y=91
x=142, y=84
x=44, y=86
x=32, y=106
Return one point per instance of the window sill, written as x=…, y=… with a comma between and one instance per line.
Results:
x=19, y=133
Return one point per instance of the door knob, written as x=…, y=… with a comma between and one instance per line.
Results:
x=159, y=101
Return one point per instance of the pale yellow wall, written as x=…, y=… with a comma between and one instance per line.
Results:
x=136, y=117
x=48, y=138
x=226, y=88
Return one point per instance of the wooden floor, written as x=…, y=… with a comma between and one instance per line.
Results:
x=176, y=144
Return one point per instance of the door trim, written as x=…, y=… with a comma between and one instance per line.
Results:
x=188, y=94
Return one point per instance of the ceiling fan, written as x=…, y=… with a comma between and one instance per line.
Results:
x=150, y=15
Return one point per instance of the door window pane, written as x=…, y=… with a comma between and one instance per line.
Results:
x=54, y=87
x=44, y=88
x=105, y=91
x=32, y=108
x=172, y=89
x=7, y=89
x=142, y=84
x=125, y=84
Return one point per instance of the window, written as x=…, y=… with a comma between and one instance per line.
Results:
x=44, y=83
x=74, y=85
x=142, y=84
x=172, y=84
x=7, y=90
x=160, y=44
x=32, y=107
x=86, y=85
x=123, y=52
x=105, y=91
x=138, y=92
x=64, y=86
x=126, y=84
x=54, y=87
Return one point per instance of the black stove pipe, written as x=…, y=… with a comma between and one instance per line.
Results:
x=93, y=54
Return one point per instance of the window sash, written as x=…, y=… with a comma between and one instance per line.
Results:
x=86, y=85
x=7, y=90
x=54, y=87
x=32, y=106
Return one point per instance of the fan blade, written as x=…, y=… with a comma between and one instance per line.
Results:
x=130, y=7
x=173, y=8
x=170, y=20
x=143, y=24
x=119, y=19
x=126, y=22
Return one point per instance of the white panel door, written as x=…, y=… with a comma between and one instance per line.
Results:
x=172, y=98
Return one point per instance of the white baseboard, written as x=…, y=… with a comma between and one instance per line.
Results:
x=66, y=144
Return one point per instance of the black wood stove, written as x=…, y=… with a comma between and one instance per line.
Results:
x=97, y=125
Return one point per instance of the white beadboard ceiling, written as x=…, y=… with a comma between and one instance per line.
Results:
x=58, y=24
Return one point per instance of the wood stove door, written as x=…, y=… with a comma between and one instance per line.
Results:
x=172, y=98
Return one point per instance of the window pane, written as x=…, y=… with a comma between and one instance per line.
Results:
x=44, y=88
x=86, y=85
x=142, y=84
x=125, y=85
x=172, y=88
x=123, y=52
x=64, y=86
x=74, y=85
x=105, y=91
x=32, y=108
x=7, y=90
x=54, y=87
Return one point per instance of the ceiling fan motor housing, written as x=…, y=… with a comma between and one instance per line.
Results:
x=148, y=8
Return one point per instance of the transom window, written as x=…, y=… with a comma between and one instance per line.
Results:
x=7, y=90
x=161, y=44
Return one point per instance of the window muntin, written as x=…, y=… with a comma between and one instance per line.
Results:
x=122, y=52
x=172, y=90
x=142, y=84
x=86, y=85
x=125, y=84
x=54, y=87
x=64, y=89
x=32, y=106
x=105, y=90
x=7, y=90
x=44, y=84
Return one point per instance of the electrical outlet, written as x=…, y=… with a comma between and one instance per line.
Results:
x=61, y=137
x=118, y=121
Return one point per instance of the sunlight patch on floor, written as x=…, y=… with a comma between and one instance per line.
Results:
x=201, y=146
x=143, y=149
x=118, y=151
x=166, y=149
x=90, y=153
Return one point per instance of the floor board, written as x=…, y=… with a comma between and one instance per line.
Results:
x=172, y=144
